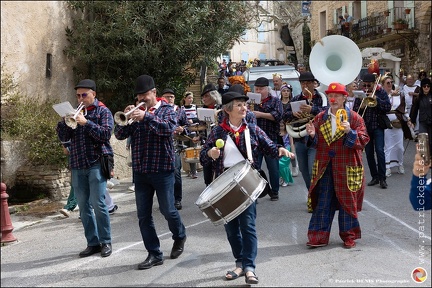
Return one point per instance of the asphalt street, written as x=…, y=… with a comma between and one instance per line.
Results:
x=395, y=240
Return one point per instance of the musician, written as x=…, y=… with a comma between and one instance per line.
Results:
x=88, y=141
x=153, y=167
x=338, y=179
x=241, y=232
x=169, y=95
x=269, y=114
x=351, y=97
x=211, y=99
x=376, y=132
x=315, y=103
x=277, y=83
x=192, y=117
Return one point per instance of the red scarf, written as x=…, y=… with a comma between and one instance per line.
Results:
x=92, y=107
x=265, y=100
x=225, y=125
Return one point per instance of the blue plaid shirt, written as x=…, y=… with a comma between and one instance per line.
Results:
x=151, y=140
x=275, y=108
x=89, y=141
x=370, y=116
x=260, y=142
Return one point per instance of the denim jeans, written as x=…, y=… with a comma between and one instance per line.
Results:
x=305, y=157
x=89, y=187
x=273, y=169
x=242, y=236
x=145, y=187
x=178, y=179
x=376, y=145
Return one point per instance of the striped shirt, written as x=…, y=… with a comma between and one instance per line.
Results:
x=89, y=141
x=151, y=140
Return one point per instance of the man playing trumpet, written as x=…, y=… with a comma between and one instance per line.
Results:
x=338, y=175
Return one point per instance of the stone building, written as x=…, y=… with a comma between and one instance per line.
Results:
x=374, y=25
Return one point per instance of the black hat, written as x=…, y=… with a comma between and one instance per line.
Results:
x=425, y=81
x=368, y=77
x=168, y=91
x=237, y=88
x=143, y=84
x=86, y=83
x=307, y=76
x=262, y=82
x=230, y=96
x=207, y=88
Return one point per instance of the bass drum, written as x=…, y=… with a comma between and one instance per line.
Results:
x=231, y=193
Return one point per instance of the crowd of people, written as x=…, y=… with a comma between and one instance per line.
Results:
x=323, y=134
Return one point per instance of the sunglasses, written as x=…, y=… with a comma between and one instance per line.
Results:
x=83, y=95
x=390, y=82
x=368, y=85
x=426, y=85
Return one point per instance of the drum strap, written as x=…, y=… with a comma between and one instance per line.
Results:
x=248, y=144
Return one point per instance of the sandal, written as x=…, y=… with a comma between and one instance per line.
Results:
x=231, y=275
x=251, y=279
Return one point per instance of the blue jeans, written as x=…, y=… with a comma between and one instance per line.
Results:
x=305, y=157
x=89, y=187
x=376, y=145
x=241, y=234
x=273, y=169
x=178, y=179
x=145, y=187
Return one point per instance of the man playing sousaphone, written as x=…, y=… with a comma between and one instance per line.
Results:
x=338, y=174
x=241, y=232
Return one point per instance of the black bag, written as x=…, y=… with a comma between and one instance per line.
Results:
x=267, y=190
x=384, y=122
x=107, y=165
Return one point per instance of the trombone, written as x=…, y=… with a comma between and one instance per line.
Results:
x=370, y=100
x=121, y=118
x=70, y=119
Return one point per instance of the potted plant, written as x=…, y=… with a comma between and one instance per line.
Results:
x=386, y=13
x=400, y=24
x=407, y=11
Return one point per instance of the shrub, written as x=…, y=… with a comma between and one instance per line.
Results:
x=32, y=121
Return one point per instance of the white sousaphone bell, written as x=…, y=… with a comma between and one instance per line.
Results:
x=334, y=58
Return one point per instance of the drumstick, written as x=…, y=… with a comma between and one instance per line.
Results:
x=220, y=143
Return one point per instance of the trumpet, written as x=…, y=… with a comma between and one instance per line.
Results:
x=70, y=119
x=370, y=101
x=121, y=118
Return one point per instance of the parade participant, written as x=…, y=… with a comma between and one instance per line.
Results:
x=351, y=97
x=277, y=83
x=241, y=231
x=89, y=141
x=222, y=87
x=269, y=114
x=422, y=109
x=315, y=103
x=338, y=180
x=409, y=91
x=375, y=130
x=153, y=167
x=181, y=119
x=212, y=100
x=192, y=117
x=393, y=138
x=420, y=192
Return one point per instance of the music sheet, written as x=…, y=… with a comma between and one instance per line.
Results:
x=63, y=108
x=206, y=114
x=254, y=97
x=295, y=106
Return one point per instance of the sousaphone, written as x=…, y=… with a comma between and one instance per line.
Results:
x=334, y=58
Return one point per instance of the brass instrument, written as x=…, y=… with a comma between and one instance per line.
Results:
x=121, y=118
x=70, y=119
x=370, y=100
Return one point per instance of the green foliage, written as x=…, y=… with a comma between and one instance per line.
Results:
x=24, y=119
x=113, y=42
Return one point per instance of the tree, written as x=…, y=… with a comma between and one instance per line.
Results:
x=113, y=42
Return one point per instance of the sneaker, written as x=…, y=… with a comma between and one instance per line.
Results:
x=132, y=188
x=281, y=181
x=194, y=176
x=113, y=210
x=178, y=205
x=284, y=184
x=401, y=170
x=65, y=212
x=388, y=172
x=295, y=171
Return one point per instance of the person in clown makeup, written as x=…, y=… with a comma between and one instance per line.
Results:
x=338, y=175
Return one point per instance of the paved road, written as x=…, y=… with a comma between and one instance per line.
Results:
x=46, y=253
